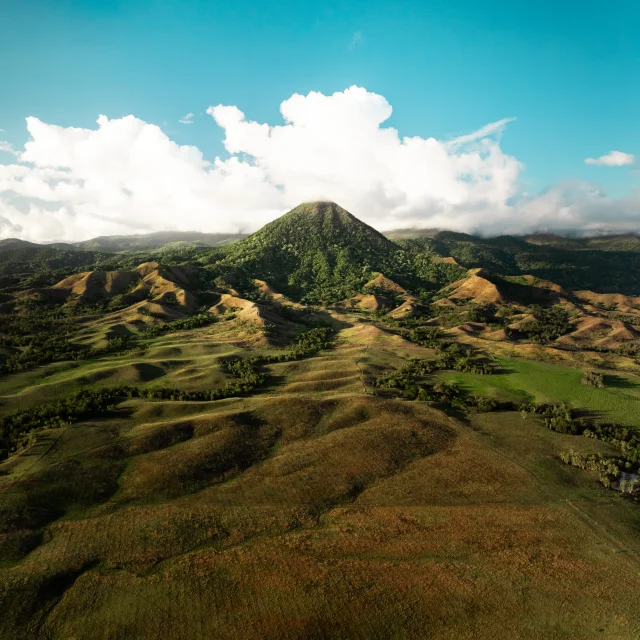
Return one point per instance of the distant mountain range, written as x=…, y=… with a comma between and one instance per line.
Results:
x=140, y=242
x=175, y=239
x=319, y=252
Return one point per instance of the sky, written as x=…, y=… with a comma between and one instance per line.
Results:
x=489, y=117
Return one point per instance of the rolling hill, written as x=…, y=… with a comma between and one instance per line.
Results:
x=317, y=432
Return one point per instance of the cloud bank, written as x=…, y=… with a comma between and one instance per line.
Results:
x=128, y=176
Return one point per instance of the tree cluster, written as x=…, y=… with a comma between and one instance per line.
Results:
x=408, y=380
x=192, y=322
x=623, y=438
x=451, y=355
x=608, y=469
x=593, y=379
x=559, y=417
x=548, y=325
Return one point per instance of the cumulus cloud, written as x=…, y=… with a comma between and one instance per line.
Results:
x=128, y=176
x=188, y=119
x=335, y=147
x=612, y=159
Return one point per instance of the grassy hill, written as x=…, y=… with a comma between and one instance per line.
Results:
x=188, y=449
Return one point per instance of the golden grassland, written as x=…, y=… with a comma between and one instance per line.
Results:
x=312, y=509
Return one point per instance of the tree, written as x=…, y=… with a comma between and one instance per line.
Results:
x=593, y=379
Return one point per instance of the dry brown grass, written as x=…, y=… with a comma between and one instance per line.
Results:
x=312, y=510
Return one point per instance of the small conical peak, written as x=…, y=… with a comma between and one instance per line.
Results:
x=320, y=207
x=323, y=213
x=321, y=203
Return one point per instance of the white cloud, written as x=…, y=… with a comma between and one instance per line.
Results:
x=356, y=39
x=7, y=148
x=493, y=128
x=128, y=176
x=612, y=159
x=188, y=119
x=335, y=147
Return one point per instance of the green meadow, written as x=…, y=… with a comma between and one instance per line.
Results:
x=521, y=379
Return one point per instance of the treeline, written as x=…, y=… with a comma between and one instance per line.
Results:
x=19, y=330
x=449, y=317
x=627, y=440
x=192, y=322
x=408, y=381
x=37, y=339
x=452, y=355
x=305, y=315
x=307, y=343
x=45, y=350
x=609, y=469
x=563, y=419
x=17, y=430
x=50, y=344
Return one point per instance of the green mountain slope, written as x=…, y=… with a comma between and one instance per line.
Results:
x=317, y=251
x=15, y=243
x=606, y=264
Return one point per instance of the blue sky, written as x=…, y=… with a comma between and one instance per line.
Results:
x=569, y=72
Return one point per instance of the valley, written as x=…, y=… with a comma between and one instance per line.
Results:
x=317, y=432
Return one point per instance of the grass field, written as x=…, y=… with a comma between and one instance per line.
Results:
x=521, y=379
x=312, y=508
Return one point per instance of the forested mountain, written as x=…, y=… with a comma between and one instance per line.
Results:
x=318, y=250
x=606, y=264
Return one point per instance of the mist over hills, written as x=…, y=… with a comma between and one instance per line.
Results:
x=158, y=239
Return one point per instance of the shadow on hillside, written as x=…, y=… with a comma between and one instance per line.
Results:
x=329, y=320
x=619, y=382
x=504, y=371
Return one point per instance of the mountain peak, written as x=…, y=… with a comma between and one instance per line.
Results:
x=327, y=221
x=320, y=208
x=314, y=243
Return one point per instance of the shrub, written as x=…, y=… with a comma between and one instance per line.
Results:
x=593, y=379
